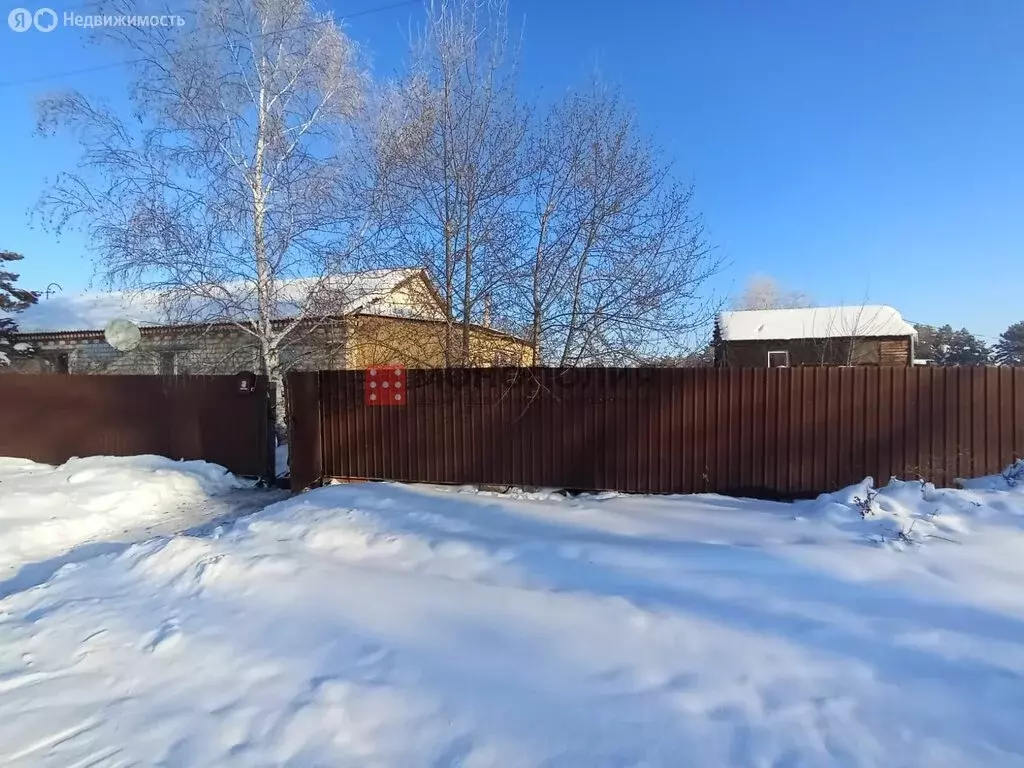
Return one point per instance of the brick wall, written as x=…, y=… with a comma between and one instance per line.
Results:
x=218, y=351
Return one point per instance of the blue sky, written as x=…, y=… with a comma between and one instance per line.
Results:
x=856, y=150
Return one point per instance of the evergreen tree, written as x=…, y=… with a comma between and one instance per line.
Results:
x=1009, y=350
x=12, y=299
x=926, y=341
x=964, y=348
x=944, y=346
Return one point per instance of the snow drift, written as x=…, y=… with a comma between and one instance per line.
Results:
x=46, y=511
x=914, y=512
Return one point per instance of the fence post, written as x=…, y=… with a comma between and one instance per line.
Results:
x=268, y=433
x=305, y=454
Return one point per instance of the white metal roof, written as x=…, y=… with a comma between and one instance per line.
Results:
x=872, y=320
x=339, y=295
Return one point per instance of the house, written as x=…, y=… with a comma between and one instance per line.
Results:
x=355, y=320
x=855, y=335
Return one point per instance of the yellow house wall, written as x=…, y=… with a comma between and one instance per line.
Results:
x=414, y=298
x=399, y=341
x=489, y=349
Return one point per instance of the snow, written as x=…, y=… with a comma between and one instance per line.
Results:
x=90, y=310
x=813, y=323
x=46, y=511
x=388, y=625
x=911, y=512
x=93, y=310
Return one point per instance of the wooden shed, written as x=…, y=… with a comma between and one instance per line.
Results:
x=854, y=335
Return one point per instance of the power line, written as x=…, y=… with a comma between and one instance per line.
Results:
x=127, y=62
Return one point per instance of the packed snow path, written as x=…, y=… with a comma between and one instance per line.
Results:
x=382, y=625
x=52, y=515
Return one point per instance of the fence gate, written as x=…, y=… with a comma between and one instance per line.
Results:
x=221, y=419
x=766, y=432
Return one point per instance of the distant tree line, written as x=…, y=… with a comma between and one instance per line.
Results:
x=945, y=346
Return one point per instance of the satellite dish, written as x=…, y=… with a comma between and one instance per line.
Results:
x=123, y=335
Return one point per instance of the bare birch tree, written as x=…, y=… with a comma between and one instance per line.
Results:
x=449, y=143
x=615, y=262
x=764, y=292
x=230, y=195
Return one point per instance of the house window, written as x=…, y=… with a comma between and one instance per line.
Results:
x=168, y=363
x=778, y=359
x=59, y=362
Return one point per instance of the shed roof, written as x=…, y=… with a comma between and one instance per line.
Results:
x=862, y=321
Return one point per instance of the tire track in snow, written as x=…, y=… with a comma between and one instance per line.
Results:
x=55, y=739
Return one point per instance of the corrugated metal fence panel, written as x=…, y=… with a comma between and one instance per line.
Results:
x=50, y=418
x=780, y=432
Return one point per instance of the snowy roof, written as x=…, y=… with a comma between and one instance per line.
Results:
x=340, y=294
x=871, y=320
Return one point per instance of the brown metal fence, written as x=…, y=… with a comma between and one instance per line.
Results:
x=50, y=418
x=779, y=432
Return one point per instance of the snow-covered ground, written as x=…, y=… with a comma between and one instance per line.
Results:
x=47, y=511
x=387, y=625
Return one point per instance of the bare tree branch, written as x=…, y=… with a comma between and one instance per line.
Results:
x=450, y=138
x=615, y=257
